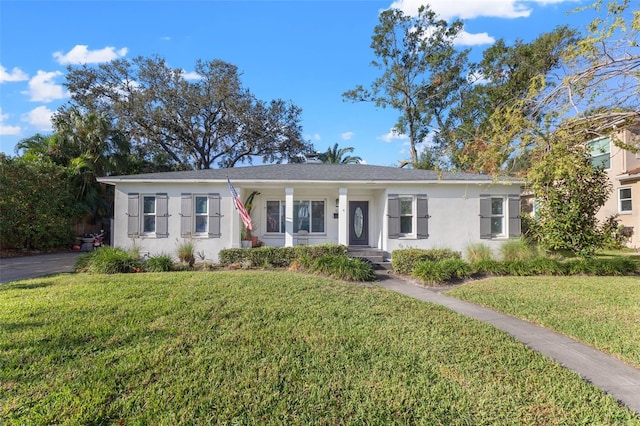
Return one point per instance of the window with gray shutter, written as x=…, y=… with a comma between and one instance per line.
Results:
x=423, y=216
x=393, y=216
x=133, y=220
x=162, y=215
x=215, y=229
x=514, y=215
x=186, y=205
x=485, y=216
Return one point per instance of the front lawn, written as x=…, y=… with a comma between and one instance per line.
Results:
x=256, y=347
x=603, y=312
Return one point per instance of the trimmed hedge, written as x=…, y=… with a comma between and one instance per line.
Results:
x=442, y=270
x=404, y=261
x=277, y=257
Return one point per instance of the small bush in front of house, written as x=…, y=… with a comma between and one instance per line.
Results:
x=517, y=250
x=343, y=268
x=277, y=257
x=546, y=266
x=108, y=260
x=488, y=266
x=186, y=252
x=318, y=250
x=601, y=266
x=404, y=261
x=441, y=271
x=159, y=263
x=478, y=252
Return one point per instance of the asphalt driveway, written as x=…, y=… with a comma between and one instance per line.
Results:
x=20, y=268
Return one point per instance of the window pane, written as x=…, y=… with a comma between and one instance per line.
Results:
x=149, y=224
x=201, y=223
x=301, y=215
x=149, y=205
x=496, y=205
x=625, y=193
x=317, y=215
x=625, y=206
x=496, y=225
x=406, y=224
x=600, y=153
x=201, y=205
x=273, y=216
x=406, y=206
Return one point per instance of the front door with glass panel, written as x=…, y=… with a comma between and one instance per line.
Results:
x=358, y=223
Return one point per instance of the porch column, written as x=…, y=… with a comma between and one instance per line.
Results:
x=288, y=202
x=343, y=217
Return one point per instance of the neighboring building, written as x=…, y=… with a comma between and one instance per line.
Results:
x=623, y=169
x=360, y=205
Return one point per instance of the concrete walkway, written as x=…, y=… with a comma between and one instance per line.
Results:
x=613, y=376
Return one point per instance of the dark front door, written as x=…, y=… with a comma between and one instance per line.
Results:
x=358, y=223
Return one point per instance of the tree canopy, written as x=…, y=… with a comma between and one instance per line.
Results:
x=209, y=121
x=336, y=155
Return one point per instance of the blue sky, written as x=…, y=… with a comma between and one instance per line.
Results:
x=307, y=51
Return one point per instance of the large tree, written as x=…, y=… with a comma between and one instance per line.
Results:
x=422, y=72
x=338, y=155
x=209, y=121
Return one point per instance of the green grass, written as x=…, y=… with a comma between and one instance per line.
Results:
x=257, y=347
x=603, y=312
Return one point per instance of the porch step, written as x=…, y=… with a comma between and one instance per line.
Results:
x=378, y=258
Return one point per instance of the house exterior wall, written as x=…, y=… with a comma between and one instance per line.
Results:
x=453, y=208
x=622, y=161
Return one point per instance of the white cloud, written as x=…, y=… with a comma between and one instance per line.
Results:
x=40, y=118
x=6, y=130
x=469, y=9
x=80, y=54
x=346, y=136
x=191, y=75
x=42, y=87
x=393, y=135
x=467, y=39
x=16, y=74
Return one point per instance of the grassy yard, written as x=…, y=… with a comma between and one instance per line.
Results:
x=255, y=347
x=603, y=312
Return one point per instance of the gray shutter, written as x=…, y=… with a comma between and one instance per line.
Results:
x=186, y=207
x=485, y=217
x=162, y=215
x=514, y=215
x=214, y=216
x=423, y=216
x=133, y=220
x=393, y=215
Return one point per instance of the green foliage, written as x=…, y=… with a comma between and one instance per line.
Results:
x=108, y=260
x=37, y=205
x=478, y=252
x=405, y=260
x=615, y=235
x=602, y=266
x=437, y=272
x=343, y=268
x=531, y=231
x=277, y=257
x=337, y=156
x=186, y=252
x=158, y=263
x=517, y=250
x=488, y=267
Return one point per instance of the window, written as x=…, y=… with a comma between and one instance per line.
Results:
x=148, y=215
x=200, y=215
x=308, y=215
x=600, y=150
x=624, y=197
x=407, y=216
x=499, y=216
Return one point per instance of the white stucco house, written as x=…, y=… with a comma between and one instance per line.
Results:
x=384, y=208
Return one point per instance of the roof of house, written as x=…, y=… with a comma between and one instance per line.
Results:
x=310, y=173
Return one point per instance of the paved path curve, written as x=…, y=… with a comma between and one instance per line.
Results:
x=613, y=376
x=20, y=268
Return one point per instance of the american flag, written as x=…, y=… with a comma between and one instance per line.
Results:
x=244, y=214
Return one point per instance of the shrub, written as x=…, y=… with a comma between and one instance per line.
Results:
x=516, y=250
x=599, y=266
x=546, y=266
x=488, y=266
x=159, y=263
x=478, y=252
x=442, y=271
x=277, y=256
x=343, y=268
x=404, y=261
x=108, y=260
x=186, y=252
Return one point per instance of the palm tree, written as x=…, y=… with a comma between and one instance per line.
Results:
x=335, y=156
